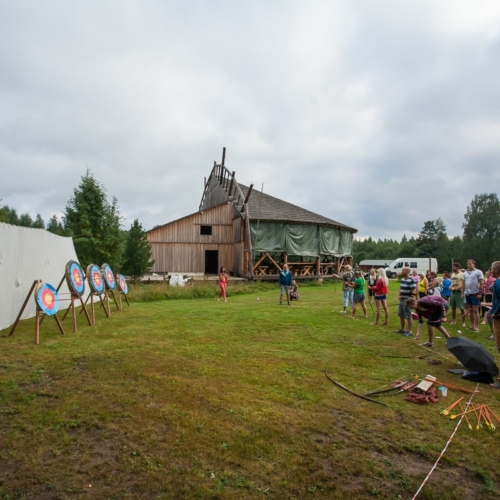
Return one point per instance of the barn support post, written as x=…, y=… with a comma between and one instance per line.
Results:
x=232, y=182
x=318, y=268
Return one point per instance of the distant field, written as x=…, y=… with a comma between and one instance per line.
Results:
x=194, y=398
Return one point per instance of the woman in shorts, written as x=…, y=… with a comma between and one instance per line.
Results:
x=381, y=290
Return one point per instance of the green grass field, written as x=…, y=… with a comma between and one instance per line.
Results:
x=194, y=398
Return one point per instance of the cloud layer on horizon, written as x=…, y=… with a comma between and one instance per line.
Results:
x=379, y=115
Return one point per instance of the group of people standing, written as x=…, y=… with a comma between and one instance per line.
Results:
x=464, y=290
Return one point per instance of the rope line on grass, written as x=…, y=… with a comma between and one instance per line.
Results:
x=445, y=447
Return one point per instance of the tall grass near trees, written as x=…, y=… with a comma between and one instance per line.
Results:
x=194, y=398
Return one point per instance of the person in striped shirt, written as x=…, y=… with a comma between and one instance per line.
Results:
x=407, y=289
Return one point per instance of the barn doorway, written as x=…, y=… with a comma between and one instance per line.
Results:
x=211, y=261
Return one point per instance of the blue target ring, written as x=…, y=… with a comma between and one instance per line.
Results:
x=109, y=277
x=47, y=299
x=122, y=283
x=95, y=279
x=75, y=277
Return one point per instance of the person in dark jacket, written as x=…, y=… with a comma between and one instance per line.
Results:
x=285, y=282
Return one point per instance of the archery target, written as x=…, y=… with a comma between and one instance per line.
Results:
x=109, y=277
x=95, y=279
x=47, y=299
x=75, y=278
x=122, y=284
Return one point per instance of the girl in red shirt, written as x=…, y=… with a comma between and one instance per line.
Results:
x=222, y=283
x=381, y=290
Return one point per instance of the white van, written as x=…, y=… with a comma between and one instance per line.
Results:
x=421, y=264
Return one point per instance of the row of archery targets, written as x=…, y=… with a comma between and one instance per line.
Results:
x=102, y=285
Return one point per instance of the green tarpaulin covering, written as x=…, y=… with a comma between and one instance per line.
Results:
x=300, y=239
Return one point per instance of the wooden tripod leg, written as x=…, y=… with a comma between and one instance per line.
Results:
x=104, y=306
x=114, y=298
x=59, y=324
x=37, y=327
x=60, y=284
x=72, y=305
x=75, y=327
x=90, y=294
x=92, y=307
x=86, y=312
x=126, y=298
x=23, y=307
x=120, y=300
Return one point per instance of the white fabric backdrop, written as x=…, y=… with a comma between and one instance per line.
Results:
x=26, y=255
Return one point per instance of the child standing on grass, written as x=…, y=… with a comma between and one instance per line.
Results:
x=359, y=294
x=222, y=283
x=372, y=280
x=285, y=282
x=294, y=291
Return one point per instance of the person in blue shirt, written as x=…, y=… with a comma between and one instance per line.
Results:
x=285, y=282
x=495, y=307
x=446, y=286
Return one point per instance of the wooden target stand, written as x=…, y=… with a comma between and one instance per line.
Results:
x=97, y=288
x=92, y=307
x=40, y=315
x=120, y=286
x=74, y=297
x=109, y=286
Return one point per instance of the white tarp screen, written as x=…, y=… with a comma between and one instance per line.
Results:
x=28, y=254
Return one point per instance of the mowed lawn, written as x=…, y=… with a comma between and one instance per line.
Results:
x=196, y=398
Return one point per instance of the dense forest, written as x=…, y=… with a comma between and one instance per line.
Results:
x=480, y=239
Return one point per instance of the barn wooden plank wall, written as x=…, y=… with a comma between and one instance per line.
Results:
x=188, y=257
x=179, y=247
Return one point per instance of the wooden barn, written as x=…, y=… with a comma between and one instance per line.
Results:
x=251, y=234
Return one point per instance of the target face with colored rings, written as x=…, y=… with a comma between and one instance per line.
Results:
x=109, y=277
x=95, y=279
x=47, y=299
x=122, y=283
x=75, y=277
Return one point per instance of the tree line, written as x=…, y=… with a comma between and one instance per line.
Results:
x=480, y=239
x=95, y=224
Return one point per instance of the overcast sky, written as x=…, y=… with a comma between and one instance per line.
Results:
x=378, y=114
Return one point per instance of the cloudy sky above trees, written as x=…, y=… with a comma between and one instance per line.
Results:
x=378, y=114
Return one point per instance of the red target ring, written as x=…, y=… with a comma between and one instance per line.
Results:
x=122, y=283
x=75, y=278
x=94, y=278
x=47, y=299
x=109, y=277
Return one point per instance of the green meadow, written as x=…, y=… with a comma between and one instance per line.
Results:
x=182, y=396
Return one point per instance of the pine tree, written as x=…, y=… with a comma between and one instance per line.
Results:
x=39, y=222
x=54, y=226
x=25, y=220
x=482, y=229
x=137, y=252
x=94, y=224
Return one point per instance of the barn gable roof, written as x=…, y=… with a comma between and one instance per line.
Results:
x=268, y=208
